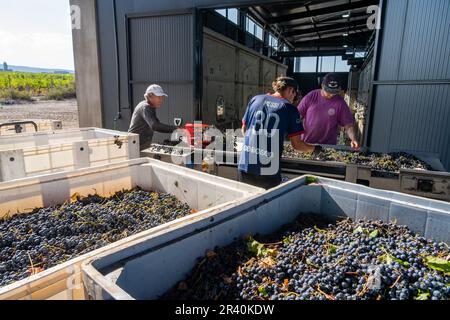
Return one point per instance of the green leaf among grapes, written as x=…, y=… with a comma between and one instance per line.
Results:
x=259, y=249
x=319, y=230
x=311, y=180
x=359, y=230
x=332, y=249
x=389, y=259
x=288, y=240
x=374, y=234
x=423, y=296
x=438, y=264
x=263, y=291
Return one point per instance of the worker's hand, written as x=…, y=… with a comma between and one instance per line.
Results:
x=317, y=150
x=355, y=145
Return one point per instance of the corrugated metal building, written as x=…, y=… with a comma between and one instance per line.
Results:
x=138, y=42
x=411, y=105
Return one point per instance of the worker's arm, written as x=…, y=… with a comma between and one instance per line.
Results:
x=244, y=129
x=351, y=133
x=246, y=120
x=347, y=120
x=302, y=146
x=154, y=123
x=295, y=131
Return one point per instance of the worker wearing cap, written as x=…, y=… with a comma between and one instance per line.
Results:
x=323, y=111
x=269, y=119
x=144, y=120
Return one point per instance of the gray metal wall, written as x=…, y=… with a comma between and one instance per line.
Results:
x=161, y=51
x=234, y=73
x=411, y=110
x=114, y=70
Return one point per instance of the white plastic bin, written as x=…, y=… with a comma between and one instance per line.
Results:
x=149, y=267
x=207, y=194
x=27, y=126
x=34, y=154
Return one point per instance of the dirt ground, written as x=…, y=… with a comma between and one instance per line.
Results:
x=66, y=111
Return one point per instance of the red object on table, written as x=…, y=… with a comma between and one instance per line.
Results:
x=196, y=131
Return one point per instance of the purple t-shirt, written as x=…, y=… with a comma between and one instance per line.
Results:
x=321, y=117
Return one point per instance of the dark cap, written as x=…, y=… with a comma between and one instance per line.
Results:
x=332, y=83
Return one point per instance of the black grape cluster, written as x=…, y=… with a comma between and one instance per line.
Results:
x=31, y=243
x=169, y=150
x=392, y=162
x=345, y=261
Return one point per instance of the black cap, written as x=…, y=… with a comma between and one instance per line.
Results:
x=332, y=83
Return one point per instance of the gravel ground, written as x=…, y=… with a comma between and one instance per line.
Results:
x=66, y=111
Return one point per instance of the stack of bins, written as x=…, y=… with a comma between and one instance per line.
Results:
x=149, y=267
x=208, y=195
x=34, y=154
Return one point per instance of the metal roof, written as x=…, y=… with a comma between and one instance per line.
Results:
x=318, y=25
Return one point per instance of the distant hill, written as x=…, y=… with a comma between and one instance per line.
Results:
x=38, y=70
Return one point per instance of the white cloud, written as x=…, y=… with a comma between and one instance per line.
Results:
x=34, y=49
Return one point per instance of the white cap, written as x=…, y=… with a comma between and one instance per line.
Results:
x=156, y=90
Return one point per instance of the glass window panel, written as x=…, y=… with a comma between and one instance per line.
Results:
x=222, y=12
x=341, y=65
x=259, y=32
x=327, y=64
x=250, y=26
x=273, y=42
x=233, y=16
x=308, y=64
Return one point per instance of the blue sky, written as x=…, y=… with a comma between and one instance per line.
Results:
x=36, y=33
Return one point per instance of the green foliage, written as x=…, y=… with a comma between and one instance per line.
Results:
x=374, y=234
x=311, y=180
x=259, y=249
x=263, y=292
x=390, y=259
x=332, y=249
x=14, y=94
x=24, y=85
x=438, y=264
x=422, y=296
x=288, y=240
x=61, y=93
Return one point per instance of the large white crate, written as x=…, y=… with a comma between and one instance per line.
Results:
x=27, y=126
x=209, y=195
x=34, y=154
x=147, y=268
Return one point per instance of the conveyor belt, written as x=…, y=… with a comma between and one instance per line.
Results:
x=429, y=184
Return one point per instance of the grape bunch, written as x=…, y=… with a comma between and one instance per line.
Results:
x=32, y=243
x=364, y=260
x=169, y=150
x=392, y=162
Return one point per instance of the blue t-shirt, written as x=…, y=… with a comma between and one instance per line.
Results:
x=268, y=120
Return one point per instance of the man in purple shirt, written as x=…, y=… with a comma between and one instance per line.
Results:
x=323, y=111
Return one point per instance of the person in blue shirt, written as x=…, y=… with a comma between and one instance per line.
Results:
x=269, y=119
